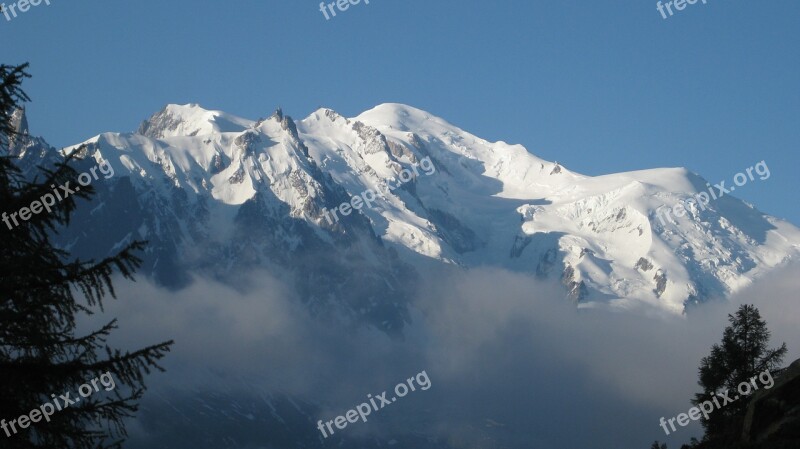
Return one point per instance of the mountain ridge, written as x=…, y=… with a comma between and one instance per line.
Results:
x=488, y=204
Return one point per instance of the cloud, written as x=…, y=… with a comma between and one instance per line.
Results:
x=512, y=363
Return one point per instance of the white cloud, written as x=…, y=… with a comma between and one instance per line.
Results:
x=509, y=358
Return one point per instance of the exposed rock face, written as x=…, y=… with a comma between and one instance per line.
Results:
x=21, y=142
x=661, y=283
x=644, y=264
x=773, y=416
x=19, y=121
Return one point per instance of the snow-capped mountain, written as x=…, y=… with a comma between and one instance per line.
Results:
x=497, y=204
x=217, y=193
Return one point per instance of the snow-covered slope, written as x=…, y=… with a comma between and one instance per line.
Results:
x=599, y=235
x=207, y=180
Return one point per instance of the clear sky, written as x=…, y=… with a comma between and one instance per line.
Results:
x=600, y=86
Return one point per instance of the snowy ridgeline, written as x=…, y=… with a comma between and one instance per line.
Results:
x=217, y=192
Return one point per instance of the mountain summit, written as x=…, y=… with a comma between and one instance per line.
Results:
x=215, y=193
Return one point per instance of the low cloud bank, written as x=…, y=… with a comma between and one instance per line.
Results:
x=511, y=362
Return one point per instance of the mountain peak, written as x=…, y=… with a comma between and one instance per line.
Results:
x=191, y=119
x=443, y=193
x=19, y=121
x=398, y=116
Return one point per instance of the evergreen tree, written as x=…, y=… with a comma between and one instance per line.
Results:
x=42, y=293
x=743, y=354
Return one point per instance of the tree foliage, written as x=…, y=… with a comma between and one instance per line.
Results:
x=743, y=353
x=43, y=291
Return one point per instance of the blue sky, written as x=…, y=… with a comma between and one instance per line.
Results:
x=599, y=86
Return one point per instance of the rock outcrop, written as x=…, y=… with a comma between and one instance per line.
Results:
x=773, y=416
